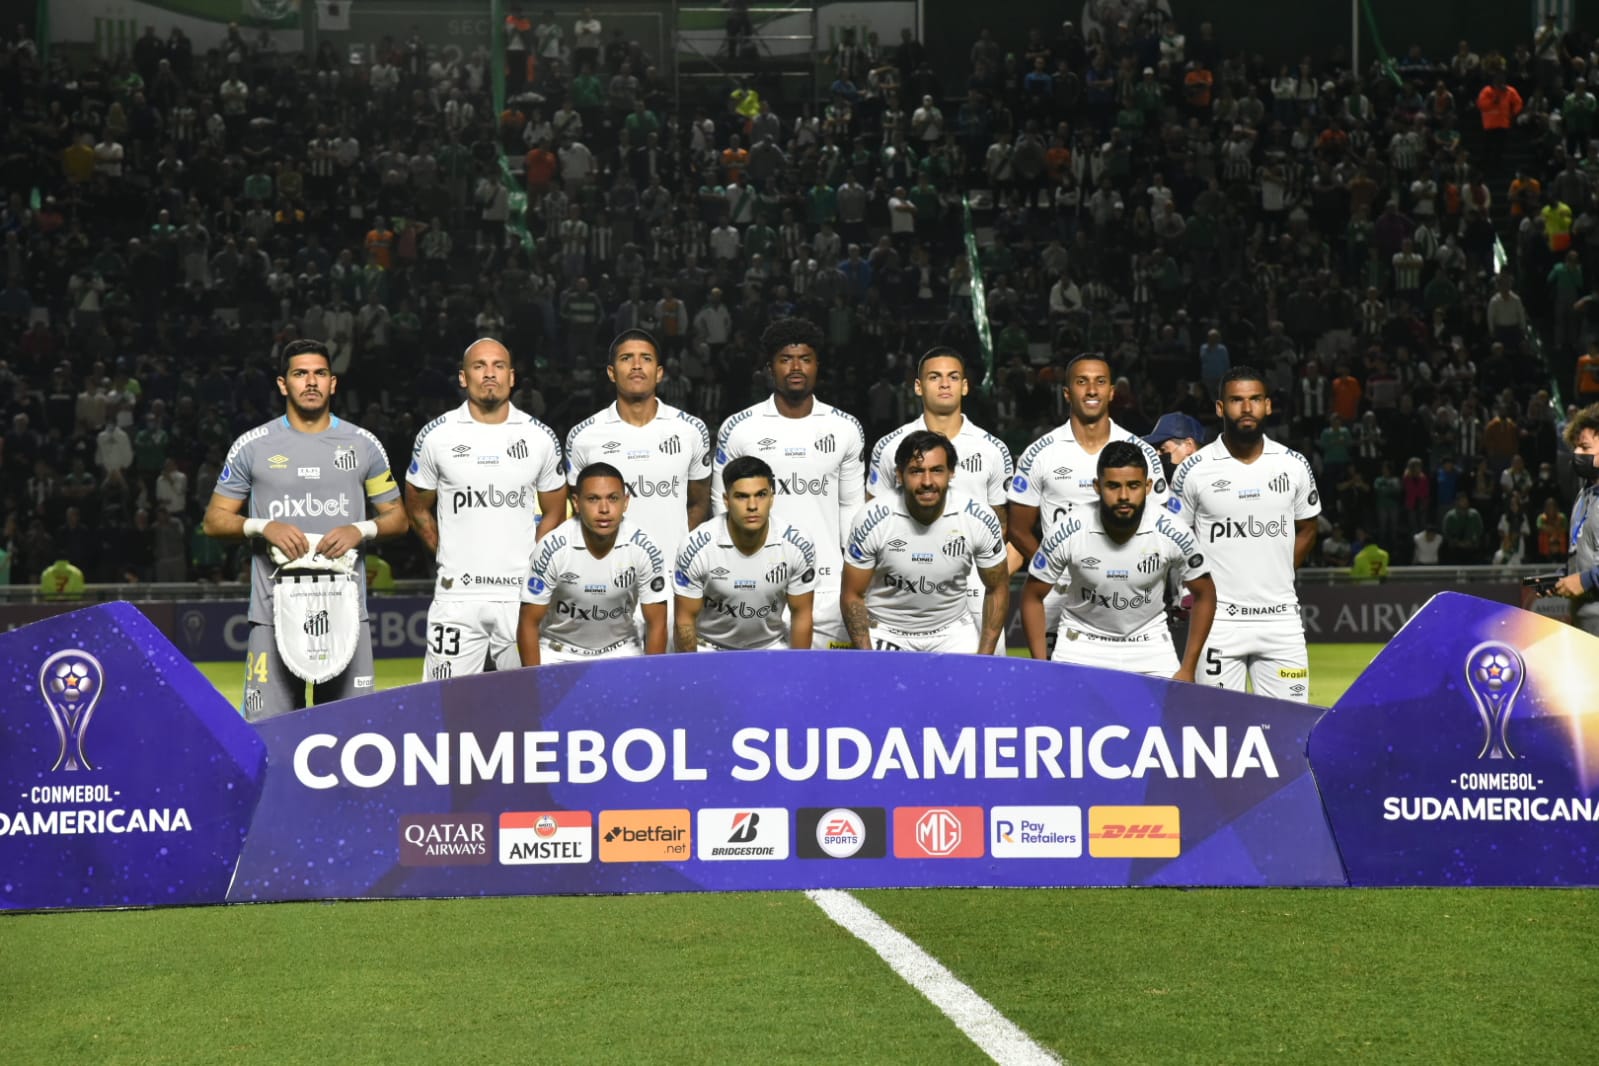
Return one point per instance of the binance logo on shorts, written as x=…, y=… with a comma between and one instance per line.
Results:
x=534, y=838
x=1134, y=832
x=938, y=832
x=841, y=833
x=645, y=836
x=747, y=833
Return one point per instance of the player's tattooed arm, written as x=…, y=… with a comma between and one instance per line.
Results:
x=996, y=605
x=686, y=623
x=852, y=605
x=419, y=504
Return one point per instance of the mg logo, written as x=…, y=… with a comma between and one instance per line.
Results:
x=938, y=832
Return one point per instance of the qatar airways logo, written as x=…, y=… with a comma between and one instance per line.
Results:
x=309, y=506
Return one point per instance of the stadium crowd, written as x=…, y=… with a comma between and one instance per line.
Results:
x=174, y=216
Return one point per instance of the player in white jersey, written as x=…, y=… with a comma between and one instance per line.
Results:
x=479, y=477
x=985, y=468
x=909, y=557
x=1115, y=560
x=664, y=453
x=736, y=573
x=818, y=454
x=1055, y=475
x=306, y=474
x=1253, y=504
x=589, y=576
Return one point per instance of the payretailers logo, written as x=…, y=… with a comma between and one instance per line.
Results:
x=1035, y=832
x=741, y=833
x=444, y=840
x=538, y=838
x=1134, y=832
x=938, y=832
x=645, y=836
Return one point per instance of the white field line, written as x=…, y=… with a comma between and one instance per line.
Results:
x=998, y=1037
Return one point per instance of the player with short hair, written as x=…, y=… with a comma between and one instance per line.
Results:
x=587, y=578
x=817, y=453
x=306, y=475
x=736, y=573
x=1055, y=475
x=1252, y=503
x=1116, y=560
x=909, y=556
x=484, y=484
x=985, y=467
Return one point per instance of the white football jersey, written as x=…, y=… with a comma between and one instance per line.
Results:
x=820, y=465
x=744, y=596
x=921, y=571
x=1056, y=475
x=1243, y=515
x=983, y=469
x=488, y=477
x=592, y=600
x=657, y=461
x=1110, y=589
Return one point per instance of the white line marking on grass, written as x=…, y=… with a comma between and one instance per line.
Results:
x=998, y=1037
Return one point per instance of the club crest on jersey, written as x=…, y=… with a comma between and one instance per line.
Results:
x=827, y=445
x=671, y=446
x=344, y=458
x=778, y=574
x=1149, y=564
x=972, y=464
x=517, y=449
x=955, y=548
x=625, y=579
x=1279, y=483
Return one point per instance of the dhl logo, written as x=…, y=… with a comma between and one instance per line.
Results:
x=1134, y=832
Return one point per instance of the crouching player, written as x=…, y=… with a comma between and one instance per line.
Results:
x=1116, y=558
x=736, y=573
x=588, y=576
x=909, y=555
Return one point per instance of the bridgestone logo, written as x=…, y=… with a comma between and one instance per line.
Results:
x=317, y=625
x=517, y=450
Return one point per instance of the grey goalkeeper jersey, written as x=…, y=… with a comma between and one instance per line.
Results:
x=313, y=481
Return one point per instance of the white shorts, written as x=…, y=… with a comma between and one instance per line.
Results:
x=960, y=638
x=554, y=651
x=1272, y=656
x=1152, y=655
x=776, y=645
x=827, y=622
x=464, y=634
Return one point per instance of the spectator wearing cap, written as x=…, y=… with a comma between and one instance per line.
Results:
x=1176, y=436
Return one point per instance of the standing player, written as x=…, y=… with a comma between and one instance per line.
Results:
x=1055, y=475
x=303, y=475
x=985, y=467
x=475, y=477
x=588, y=577
x=1116, y=559
x=735, y=573
x=816, y=451
x=910, y=555
x=1253, y=506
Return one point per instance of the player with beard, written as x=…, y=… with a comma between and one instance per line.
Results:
x=985, y=468
x=816, y=451
x=479, y=478
x=306, y=474
x=1055, y=475
x=735, y=574
x=1253, y=504
x=589, y=576
x=910, y=555
x=1116, y=560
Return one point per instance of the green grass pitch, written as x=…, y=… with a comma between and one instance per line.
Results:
x=1095, y=976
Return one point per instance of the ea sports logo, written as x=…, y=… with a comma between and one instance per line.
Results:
x=840, y=832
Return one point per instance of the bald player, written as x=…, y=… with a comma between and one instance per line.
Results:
x=479, y=478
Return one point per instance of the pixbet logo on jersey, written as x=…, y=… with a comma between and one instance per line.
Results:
x=645, y=488
x=1250, y=526
x=802, y=486
x=309, y=506
x=470, y=498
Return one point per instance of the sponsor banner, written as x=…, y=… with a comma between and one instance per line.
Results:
x=1344, y=614
x=784, y=770
x=218, y=630
x=538, y=838
x=1142, y=832
x=125, y=779
x=16, y=615
x=444, y=840
x=1463, y=754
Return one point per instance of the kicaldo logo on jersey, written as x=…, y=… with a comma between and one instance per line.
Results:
x=646, y=836
x=491, y=497
x=938, y=832
x=1134, y=832
x=537, y=838
x=309, y=506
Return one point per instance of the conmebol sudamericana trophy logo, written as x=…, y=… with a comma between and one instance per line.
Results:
x=1494, y=674
x=70, y=682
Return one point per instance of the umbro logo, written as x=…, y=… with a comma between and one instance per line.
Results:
x=1222, y=484
x=569, y=578
x=1279, y=483
x=898, y=545
x=517, y=450
x=1089, y=563
x=611, y=446
x=827, y=444
x=671, y=446
x=1063, y=471
x=461, y=449
x=720, y=571
x=766, y=444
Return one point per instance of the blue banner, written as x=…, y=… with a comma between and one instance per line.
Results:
x=1468, y=753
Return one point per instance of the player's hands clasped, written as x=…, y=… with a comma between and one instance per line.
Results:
x=338, y=541
x=289, y=540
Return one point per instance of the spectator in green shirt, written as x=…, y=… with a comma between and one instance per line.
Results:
x=1462, y=530
x=1370, y=564
x=61, y=581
